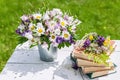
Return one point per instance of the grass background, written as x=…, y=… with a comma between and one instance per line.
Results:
x=101, y=16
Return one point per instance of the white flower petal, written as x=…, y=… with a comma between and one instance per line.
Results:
x=40, y=31
x=39, y=25
x=66, y=35
x=21, y=27
x=37, y=16
x=52, y=37
x=31, y=26
x=29, y=36
x=46, y=16
x=63, y=23
x=24, y=18
x=57, y=11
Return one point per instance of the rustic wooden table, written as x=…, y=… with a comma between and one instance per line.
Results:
x=25, y=64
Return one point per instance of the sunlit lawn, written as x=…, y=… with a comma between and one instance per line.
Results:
x=102, y=16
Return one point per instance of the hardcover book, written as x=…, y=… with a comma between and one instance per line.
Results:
x=100, y=73
x=95, y=69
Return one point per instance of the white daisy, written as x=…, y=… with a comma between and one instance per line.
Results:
x=57, y=31
x=66, y=35
x=31, y=26
x=34, y=40
x=63, y=23
x=37, y=16
x=52, y=25
x=52, y=37
x=40, y=29
x=57, y=11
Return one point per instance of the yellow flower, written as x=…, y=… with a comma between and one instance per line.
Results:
x=53, y=36
x=38, y=17
x=62, y=23
x=91, y=37
x=111, y=47
x=106, y=43
x=32, y=27
x=40, y=30
x=32, y=40
x=66, y=35
x=108, y=39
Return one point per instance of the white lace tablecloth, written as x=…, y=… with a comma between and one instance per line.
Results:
x=25, y=64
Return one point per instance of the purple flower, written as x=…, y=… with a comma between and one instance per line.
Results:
x=71, y=41
x=46, y=22
x=59, y=39
x=24, y=32
x=25, y=19
x=64, y=29
x=27, y=31
x=57, y=26
x=66, y=17
x=86, y=43
x=18, y=31
x=100, y=40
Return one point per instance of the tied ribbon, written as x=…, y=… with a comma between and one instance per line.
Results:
x=74, y=64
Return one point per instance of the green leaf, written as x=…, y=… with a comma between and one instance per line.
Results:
x=21, y=40
x=33, y=45
x=99, y=58
x=67, y=44
x=61, y=45
x=44, y=38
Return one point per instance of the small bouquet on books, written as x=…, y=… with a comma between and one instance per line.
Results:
x=92, y=53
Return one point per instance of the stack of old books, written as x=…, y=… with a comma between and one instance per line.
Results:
x=92, y=55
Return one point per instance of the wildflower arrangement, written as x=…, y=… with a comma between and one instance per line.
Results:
x=96, y=47
x=52, y=27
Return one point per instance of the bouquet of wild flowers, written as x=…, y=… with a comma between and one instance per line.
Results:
x=52, y=27
x=96, y=47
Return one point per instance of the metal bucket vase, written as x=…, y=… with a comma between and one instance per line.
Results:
x=47, y=55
